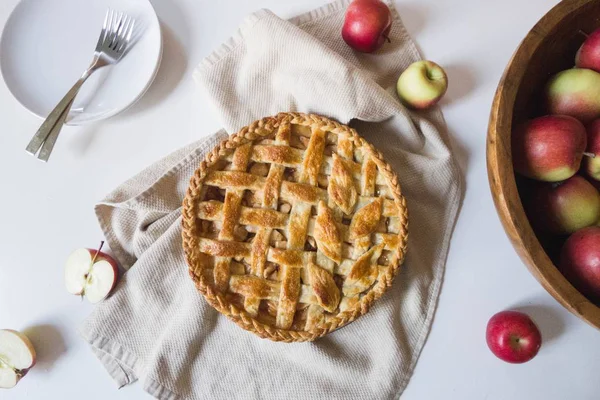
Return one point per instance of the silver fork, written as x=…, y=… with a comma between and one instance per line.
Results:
x=112, y=44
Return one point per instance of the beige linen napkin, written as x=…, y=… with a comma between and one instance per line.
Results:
x=157, y=328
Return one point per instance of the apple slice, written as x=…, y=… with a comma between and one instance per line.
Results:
x=17, y=356
x=91, y=273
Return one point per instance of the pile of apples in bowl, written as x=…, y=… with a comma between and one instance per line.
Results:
x=544, y=154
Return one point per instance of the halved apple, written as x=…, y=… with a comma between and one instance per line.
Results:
x=17, y=356
x=91, y=274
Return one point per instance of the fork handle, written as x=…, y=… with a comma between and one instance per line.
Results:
x=48, y=145
x=54, y=116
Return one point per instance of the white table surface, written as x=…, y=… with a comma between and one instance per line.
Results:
x=47, y=209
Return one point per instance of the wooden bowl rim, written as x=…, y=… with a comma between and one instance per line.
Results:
x=502, y=178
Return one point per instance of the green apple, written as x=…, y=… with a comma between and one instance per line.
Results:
x=575, y=92
x=422, y=85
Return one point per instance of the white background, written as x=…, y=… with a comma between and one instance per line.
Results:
x=47, y=209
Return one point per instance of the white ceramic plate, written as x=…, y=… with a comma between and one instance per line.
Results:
x=47, y=44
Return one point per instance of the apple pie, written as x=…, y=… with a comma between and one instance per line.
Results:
x=293, y=226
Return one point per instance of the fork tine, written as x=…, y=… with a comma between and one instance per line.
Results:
x=113, y=29
x=106, y=19
x=130, y=31
x=123, y=38
x=109, y=28
x=122, y=28
x=102, y=36
x=118, y=26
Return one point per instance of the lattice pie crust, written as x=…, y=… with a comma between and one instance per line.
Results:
x=293, y=226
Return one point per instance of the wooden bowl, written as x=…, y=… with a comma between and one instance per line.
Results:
x=548, y=48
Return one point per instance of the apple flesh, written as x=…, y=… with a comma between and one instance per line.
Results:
x=575, y=92
x=564, y=207
x=367, y=25
x=592, y=164
x=422, y=85
x=549, y=148
x=513, y=337
x=580, y=261
x=89, y=275
x=588, y=55
x=17, y=356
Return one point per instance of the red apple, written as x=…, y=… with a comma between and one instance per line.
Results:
x=564, y=207
x=549, y=148
x=513, y=337
x=588, y=55
x=91, y=273
x=367, y=25
x=592, y=164
x=580, y=261
x=17, y=356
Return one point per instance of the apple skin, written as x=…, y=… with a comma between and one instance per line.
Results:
x=513, y=337
x=549, y=148
x=422, y=85
x=574, y=92
x=367, y=25
x=580, y=262
x=565, y=207
x=592, y=164
x=592, y=181
x=111, y=261
x=588, y=55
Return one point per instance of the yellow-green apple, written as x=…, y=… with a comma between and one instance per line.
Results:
x=91, y=274
x=580, y=261
x=564, y=207
x=592, y=163
x=513, y=337
x=575, y=92
x=422, y=85
x=588, y=55
x=367, y=25
x=549, y=148
x=17, y=356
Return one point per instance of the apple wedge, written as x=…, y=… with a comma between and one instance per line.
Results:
x=17, y=356
x=91, y=274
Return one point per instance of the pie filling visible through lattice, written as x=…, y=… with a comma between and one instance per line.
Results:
x=293, y=226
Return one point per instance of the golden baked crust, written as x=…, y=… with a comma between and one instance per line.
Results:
x=293, y=226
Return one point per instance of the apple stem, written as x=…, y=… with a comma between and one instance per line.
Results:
x=583, y=33
x=590, y=155
x=387, y=38
x=87, y=278
x=96, y=255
